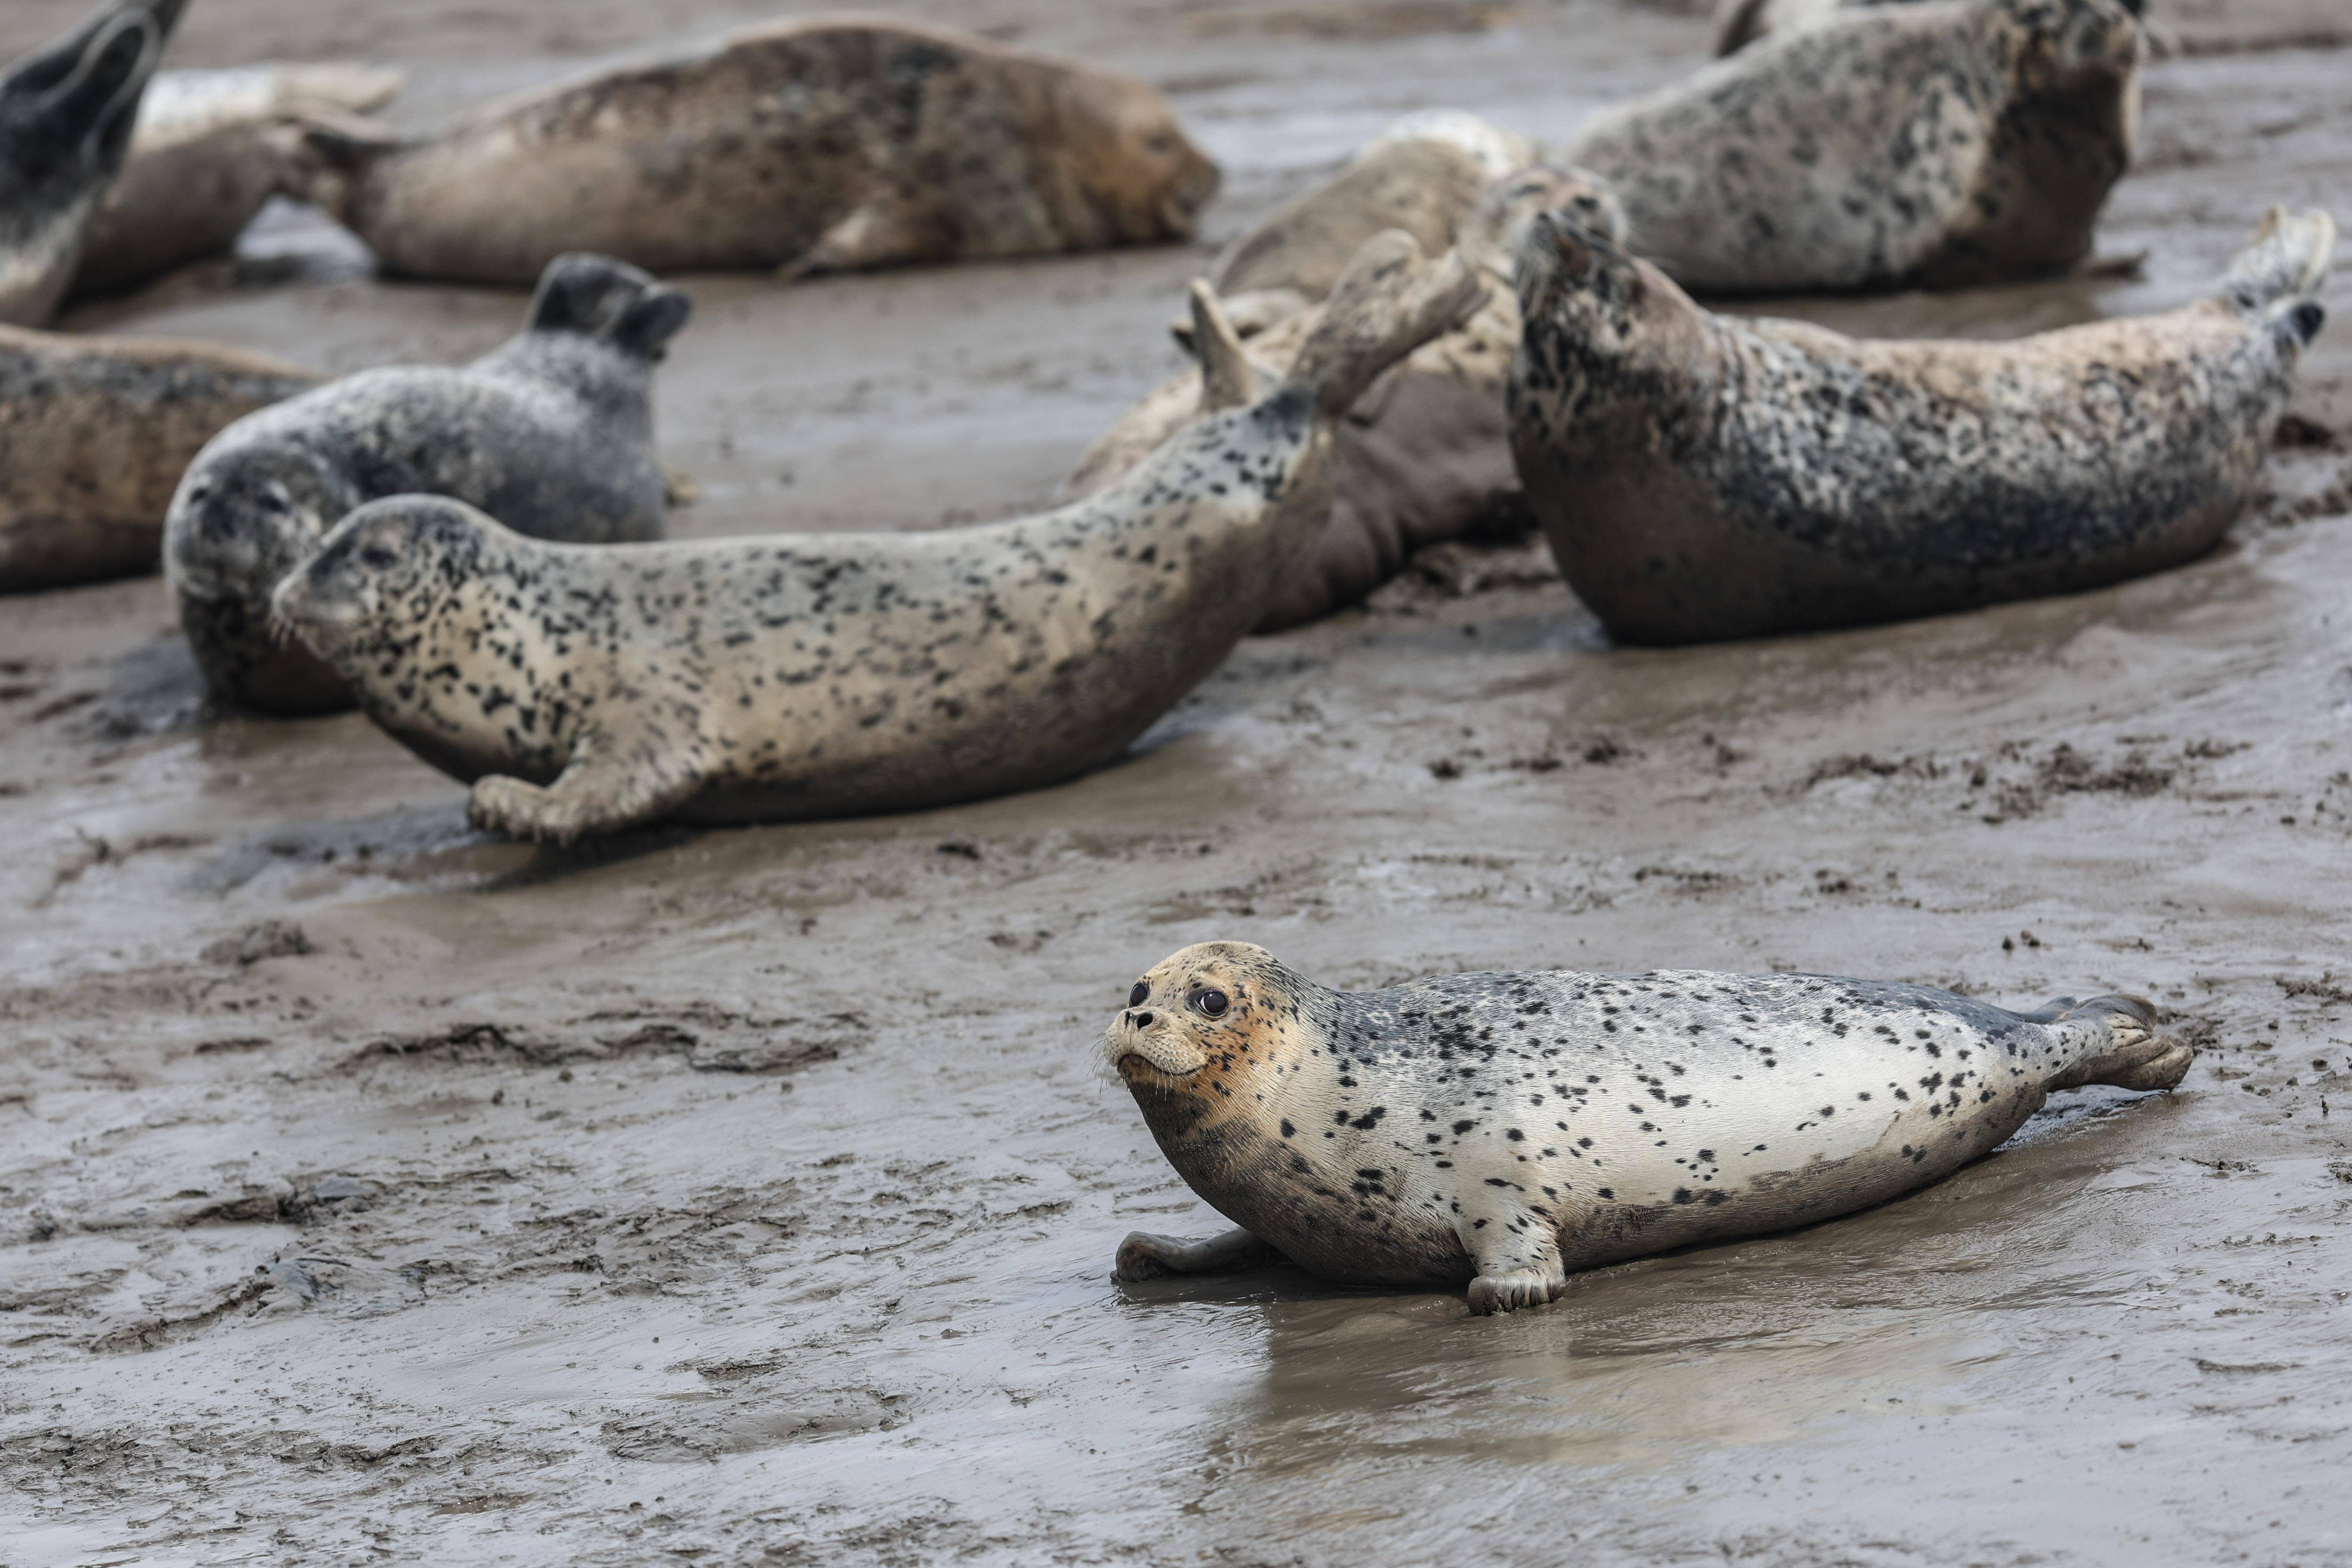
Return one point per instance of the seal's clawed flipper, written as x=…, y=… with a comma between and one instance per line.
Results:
x=620, y=776
x=1143, y=1256
x=1516, y=1252
x=2119, y=1044
x=1389, y=302
x=1228, y=380
x=883, y=232
x=2275, y=278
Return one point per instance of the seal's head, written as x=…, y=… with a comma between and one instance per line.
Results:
x=611, y=302
x=1205, y=1020
x=2065, y=48
x=1490, y=237
x=247, y=512
x=1577, y=281
x=400, y=557
x=1139, y=175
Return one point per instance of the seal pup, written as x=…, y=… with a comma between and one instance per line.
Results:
x=1424, y=455
x=1701, y=476
x=1739, y=23
x=208, y=148
x=554, y=429
x=1507, y=1130
x=98, y=432
x=65, y=115
x=1425, y=174
x=1930, y=145
x=787, y=677
x=813, y=146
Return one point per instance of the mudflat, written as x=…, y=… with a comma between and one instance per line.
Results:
x=374, y=1189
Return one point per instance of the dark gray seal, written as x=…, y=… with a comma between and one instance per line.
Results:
x=1425, y=455
x=65, y=115
x=1739, y=23
x=1930, y=145
x=1506, y=1130
x=98, y=432
x=553, y=432
x=822, y=145
x=781, y=678
x=1701, y=476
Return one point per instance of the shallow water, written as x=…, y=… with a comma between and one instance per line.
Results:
x=750, y=1196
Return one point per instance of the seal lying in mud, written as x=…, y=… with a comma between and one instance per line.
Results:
x=1507, y=1129
x=1930, y=145
x=209, y=148
x=1424, y=456
x=781, y=678
x=114, y=423
x=1739, y=23
x=554, y=430
x=65, y=114
x=1425, y=175
x=815, y=146
x=1702, y=477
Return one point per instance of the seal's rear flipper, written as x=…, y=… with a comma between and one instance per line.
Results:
x=2118, y=1043
x=2274, y=278
x=1228, y=380
x=1389, y=302
x=602, y=297
x=1143, y=1256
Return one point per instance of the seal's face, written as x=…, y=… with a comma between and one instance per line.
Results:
x=1132, y=159
x=2066, y=46
x=1496, y=227
x=386, y=556
x=242, y=519
x=1576, y=279
x=1200, y=1020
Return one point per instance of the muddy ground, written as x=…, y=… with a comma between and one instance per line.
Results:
x=370, y=1191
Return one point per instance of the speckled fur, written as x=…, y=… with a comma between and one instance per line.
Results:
x=784, y=677
x=1702, y=477
x=1424, y=456
x=65, y=114
x=115, y=421
x=553, y=432
x=209, y=148
x=812, y=145
x=1926, y=145
x=1508, y=1128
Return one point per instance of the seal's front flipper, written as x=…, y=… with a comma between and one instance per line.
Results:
x=619, y=779
x=881, y=232
x=1143, y=1256
x=1516, y=1252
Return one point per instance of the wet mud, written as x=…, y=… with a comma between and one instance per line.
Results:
x=374, y=1191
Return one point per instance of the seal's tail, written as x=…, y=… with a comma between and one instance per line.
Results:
x=1390, y=301
x=2114, y=1039
x=2274, y=278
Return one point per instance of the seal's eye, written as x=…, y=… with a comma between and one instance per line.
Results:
x=1135, y=998
x=376, y=557
x=1212, y=1003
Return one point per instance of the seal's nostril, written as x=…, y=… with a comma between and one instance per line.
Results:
x=1142, y=1020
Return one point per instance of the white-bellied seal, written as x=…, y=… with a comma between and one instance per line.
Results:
x=209, y=148
x=65, y=114
x=97, y=431
x=789, y=677
x=821, y=145
x=1425, y=174
x=1701, y=476
x=1930, y=145
x=554, y=430
x=1507, y=1130
x=1425, y=455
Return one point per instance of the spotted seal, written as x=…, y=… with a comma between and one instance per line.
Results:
x=1425, y=174
x=208, y=148
x=1507, y=1130
x=1928, y=145
x=1424, y=456
x=814, y=146
x=65, y=114
x=554, y=430
x=788, y=677
x=116, y=421
x=1701, y=476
